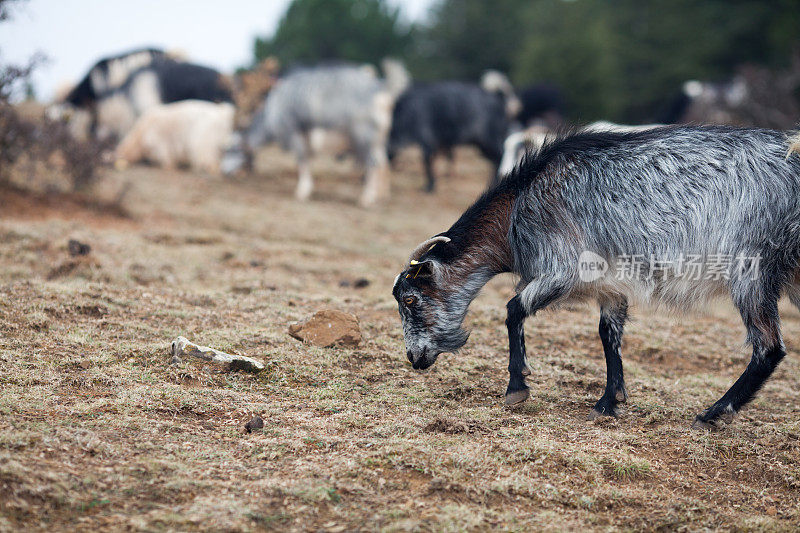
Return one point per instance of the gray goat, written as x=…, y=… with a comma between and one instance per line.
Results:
x=647, y=216
x=351, y=101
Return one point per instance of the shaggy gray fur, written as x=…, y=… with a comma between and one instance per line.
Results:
x=722, y=195
x=666, y=194
x=336, y=98
x=346, y=99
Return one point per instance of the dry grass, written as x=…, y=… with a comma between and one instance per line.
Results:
x=97, y=430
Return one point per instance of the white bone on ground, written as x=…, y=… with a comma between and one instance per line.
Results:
x=183, y=346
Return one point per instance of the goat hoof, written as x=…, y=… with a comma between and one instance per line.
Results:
x=727, y=416
x=517, y=397
x=702, y=425
x=596, y=413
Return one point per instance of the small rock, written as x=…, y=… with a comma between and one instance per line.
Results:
x=175, y=360
x=344, y=283
x=256, y=424
x=360, y=283
x=77, y=248
x=327, y=328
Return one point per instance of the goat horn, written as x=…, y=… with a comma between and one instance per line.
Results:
x=420, y=250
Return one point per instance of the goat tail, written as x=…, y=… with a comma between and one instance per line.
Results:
x=397, y=77
x=794, y=144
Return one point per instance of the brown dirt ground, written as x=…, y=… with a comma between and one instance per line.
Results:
x=98, y=430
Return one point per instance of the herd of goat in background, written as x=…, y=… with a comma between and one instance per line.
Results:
x=170, y=112
x=643, y=190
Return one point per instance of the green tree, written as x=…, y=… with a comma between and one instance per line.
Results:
x=575, y=49
x=623, y=59
x=614, y=59
x=323, y=30
x=463, y=38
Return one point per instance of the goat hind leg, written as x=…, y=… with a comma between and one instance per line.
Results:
x=612, y=322
x=763, y=331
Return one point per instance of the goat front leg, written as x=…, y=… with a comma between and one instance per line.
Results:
x=517, y=391
x=376, y=179
x=536, y=295
x=612, y=321
x=305, y=183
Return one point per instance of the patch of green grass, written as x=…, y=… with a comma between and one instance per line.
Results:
x=630, y=470
x=94, y=502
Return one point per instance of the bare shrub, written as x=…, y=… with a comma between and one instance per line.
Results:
x=43, y=147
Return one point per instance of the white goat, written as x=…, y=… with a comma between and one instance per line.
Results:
x=190, y=132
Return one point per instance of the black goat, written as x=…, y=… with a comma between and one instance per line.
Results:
x=543, y=102
x=440, y=116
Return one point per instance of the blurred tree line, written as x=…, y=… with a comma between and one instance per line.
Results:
x=614, y=59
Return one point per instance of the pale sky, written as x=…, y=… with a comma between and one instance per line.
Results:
x=74, y=34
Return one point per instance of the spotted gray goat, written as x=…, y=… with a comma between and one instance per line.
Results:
x=119, y=89
x=621, y=217
x=346, y=100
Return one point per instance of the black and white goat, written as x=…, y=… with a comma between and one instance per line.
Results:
x=109, y=74
x=119, y=89
x=654, y=214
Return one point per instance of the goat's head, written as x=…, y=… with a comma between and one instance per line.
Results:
x=430, y=309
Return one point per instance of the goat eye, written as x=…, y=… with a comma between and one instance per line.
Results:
x=410, y=300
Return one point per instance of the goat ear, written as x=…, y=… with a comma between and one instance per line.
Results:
x=425, y=246
x=421, y=270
